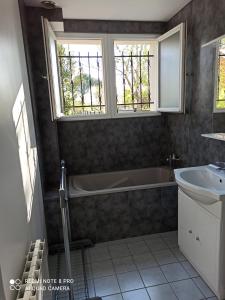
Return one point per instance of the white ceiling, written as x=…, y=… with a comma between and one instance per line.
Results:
x=141, y=10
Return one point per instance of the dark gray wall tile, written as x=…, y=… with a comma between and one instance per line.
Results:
x=106, y=26
x=83, y=218
x=115, y=216
x=99, y=145
x=204, y=22
x=146, y=211
x=107, y=145
x=169, y=208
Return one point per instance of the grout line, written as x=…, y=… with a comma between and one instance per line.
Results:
x=131, y=255
x=91, y=270
x=116, y=275
x=200, y=289
x=170, y=284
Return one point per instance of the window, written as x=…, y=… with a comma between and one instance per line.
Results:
x=219, y=103
x=136, y=75
x=111, y=76
x=81, y=77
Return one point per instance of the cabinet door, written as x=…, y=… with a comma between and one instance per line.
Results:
x=207, y=239
x=186, y=225
x=199, y=238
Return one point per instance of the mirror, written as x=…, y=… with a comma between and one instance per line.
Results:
x=219, y=88
x=217, y=48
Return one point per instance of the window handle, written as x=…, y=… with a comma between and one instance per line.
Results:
x=197, y=238
x=190, y=231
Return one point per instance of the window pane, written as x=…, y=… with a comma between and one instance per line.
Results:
x=169, y=72
x=136, y=76
x=220, y=101
x=81, y=77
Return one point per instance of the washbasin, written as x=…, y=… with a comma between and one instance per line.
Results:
x=202, y=183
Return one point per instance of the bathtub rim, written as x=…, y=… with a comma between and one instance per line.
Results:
x=73, y=193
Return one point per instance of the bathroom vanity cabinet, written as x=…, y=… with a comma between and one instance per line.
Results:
x=201, y=239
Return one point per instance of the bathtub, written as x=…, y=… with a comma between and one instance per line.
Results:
x=120, y=181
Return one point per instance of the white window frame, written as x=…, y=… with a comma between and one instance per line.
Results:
x=89, y=36
x=181, y=105
x=109, y=73
x=129, y=37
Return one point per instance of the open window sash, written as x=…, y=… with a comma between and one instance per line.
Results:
x=171, y=70
x=52, y=69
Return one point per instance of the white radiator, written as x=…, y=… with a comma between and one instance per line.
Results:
x=36, y=268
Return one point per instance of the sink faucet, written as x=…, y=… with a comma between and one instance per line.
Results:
x=219, y=165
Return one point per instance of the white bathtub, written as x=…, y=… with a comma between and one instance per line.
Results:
x=120, y=181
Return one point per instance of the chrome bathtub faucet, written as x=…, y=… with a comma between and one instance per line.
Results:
x=172, y=159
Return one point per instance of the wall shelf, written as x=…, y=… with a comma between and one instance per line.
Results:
x=216, y=136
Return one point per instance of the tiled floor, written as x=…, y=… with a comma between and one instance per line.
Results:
x=140, y=268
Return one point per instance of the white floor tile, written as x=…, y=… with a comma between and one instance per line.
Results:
x=91, y=289
x=136, y=295
x=132, y=240
x=174, y=272
x=206, y=291
x=130, y=281
x=119, y=251
x=98, y=254
x=113, y=297
x=145, y=261
x=138, y=248
x=152, y=276
x=189, y=269
x=176, y=251
x=106, y=286
x=149, y=237
x=161, y=292
x=171, y=241
x=117, y=242
x=165, y=257
x=187, y=290
x=156, y=244
x=102, y=269
x=169, y=234
x=124, y=264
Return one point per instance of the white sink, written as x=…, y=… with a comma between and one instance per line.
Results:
x=202, y=184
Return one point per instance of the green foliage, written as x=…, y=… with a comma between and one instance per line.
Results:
x=71, y=79
x=221, y=84
x=140, y=81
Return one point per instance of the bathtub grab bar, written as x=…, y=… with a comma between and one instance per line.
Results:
x=63, y=196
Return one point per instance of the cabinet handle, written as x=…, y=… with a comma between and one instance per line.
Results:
x=189, y=231
x=197, y=238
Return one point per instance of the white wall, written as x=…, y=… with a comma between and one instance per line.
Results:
x=142, y=10
x=21, y=208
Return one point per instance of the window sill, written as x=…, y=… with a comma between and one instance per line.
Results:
x=218, y=111
x=108, y=117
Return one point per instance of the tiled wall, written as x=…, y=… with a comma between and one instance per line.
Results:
x=101, y=26
x=108, y=145
x=105, y=145
x=92, y=146
x=115, y=216
x=205, y=21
